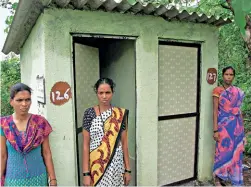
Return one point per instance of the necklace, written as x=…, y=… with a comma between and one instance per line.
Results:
x=103, y=122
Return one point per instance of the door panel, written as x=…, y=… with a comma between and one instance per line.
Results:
x=176, y=147
x=86, y=74
x=178, y=112
x=177, y=80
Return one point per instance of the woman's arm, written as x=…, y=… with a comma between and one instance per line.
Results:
x=215, y=112
x=124, y=142
x=215, y=117
x=46, y=151
x=86, y=158
x=86, y=151
x=242, y=119
x=3, y=155
x=245, y=138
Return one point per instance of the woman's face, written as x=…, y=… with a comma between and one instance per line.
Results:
x=21, y=102
x=104, y=94
x=228, y=76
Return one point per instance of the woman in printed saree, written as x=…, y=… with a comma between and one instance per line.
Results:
x=228, y=131
x=25, y=151
x=105, y=144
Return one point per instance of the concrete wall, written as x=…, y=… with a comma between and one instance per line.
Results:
x=59, y=67
x=118, y=63
x=32, y=60
x=59, y=23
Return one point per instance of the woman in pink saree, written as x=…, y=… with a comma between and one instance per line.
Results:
x=228, y=131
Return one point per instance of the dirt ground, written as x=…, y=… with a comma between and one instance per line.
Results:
x=247, y=173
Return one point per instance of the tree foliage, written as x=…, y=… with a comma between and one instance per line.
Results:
x=241, y=8
x=10, y=75
x=12, y=7
x=10, y=68
x=248, y=146
x=233, y=51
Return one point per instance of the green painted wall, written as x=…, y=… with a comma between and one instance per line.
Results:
x=33, y=63
x=58, y=26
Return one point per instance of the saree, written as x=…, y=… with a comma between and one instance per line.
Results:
x=106, y=154
x=25, y=165
x=229, y=149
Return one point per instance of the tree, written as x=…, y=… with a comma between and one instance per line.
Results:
x=233, y=51
x=12, y=7
x=241, y=10
x=234, y=47
x=10, y=68
x=10, y=75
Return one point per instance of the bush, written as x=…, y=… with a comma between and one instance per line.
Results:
x=248, y=146
x=10, y=75
x=233, y=52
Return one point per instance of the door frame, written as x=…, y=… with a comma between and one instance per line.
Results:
x=79, y=129
x=187, y=115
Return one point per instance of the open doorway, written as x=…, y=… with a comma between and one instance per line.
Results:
x=96, y=56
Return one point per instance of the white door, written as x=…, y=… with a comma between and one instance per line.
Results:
x=178, y=112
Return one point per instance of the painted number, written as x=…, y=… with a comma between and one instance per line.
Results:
x=211, y=76
x=57, y=95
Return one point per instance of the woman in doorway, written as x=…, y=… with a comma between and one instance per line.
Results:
x=228, y=130
x=105, y=144
x=25, y=151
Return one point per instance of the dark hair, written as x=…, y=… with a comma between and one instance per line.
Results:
x=18, y=88
x=104, y=81
x=226, y=68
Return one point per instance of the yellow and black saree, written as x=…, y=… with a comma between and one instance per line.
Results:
x=106, y=155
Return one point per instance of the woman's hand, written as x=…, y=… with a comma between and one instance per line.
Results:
x=245, y=141
x=2, y=181
x=87, y=180
x=216, y=136
x=53, y=182
x=46, y=151
x=127, y=178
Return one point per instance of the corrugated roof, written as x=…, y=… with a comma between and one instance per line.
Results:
x=29, y=10
x=167, y=11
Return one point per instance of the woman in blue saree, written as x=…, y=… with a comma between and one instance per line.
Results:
x=228, y=131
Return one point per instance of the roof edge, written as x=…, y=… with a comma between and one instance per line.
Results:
x=22, y=23
x=28, y=12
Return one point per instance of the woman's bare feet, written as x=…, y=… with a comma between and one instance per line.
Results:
x=217, y=181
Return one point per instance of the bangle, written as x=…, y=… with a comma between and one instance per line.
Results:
x=87, y=173
x=215, y=131
x=52, y=180
x=128, y=171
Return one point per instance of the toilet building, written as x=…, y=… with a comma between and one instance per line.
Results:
x=164, y=62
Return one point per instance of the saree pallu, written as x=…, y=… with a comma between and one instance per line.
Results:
x=229, y=149
x=106, y=156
